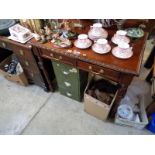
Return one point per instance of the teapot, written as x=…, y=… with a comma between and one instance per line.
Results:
x=96, y=32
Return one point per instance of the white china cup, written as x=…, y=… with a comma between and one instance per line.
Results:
x=120, y=36
x=124, y=49
x=83, y=41
x=101, y=44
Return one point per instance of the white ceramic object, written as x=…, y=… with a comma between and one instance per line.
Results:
x=122, y=51
x=36, y=36
x=83, y=42
x=20, y=33
x=125, y=111
x=96, y=32
x=20, y=41
x=101, y=46
x=120, y=36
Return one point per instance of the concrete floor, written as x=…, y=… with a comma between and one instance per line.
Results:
x=30, y=111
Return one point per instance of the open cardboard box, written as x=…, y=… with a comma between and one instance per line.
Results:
x=21, y=78
x=138, y=125
x=95, y=107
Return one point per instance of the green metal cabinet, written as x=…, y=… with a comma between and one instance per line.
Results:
x=71, y=81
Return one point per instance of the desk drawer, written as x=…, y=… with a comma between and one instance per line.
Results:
x=71, y=94
x=58, y=57
x=23, y=52
x=34, y=78
x=108, y=73
x=65, y=72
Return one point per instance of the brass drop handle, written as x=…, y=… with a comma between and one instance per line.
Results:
x=90, y=67
x=67, y=84
x=69, y=94
x=58, y=65
x=95, y=73
x=101, y=71
x=26, y=63
x=51, y=54
x=21, y=52
x=60, y=57
x=32, y=74
x=4, y=45
x=65, y=73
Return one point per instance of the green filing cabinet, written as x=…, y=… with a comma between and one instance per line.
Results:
x=71, y=81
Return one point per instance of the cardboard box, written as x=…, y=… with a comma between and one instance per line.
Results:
x=20, y=79
x=138, y=125
x=95, y=107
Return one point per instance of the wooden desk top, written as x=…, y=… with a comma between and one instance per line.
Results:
x=129, y=66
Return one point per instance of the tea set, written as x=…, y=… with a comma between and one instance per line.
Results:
x=98, y=35
x=96, y=39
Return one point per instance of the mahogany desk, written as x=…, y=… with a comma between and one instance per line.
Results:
x=108, y=66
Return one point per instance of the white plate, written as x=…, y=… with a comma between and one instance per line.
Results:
x=101, y=52
x=76, y=45
x=116, y=53
x=15, y=39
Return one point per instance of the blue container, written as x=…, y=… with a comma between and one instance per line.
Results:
x=151, y=125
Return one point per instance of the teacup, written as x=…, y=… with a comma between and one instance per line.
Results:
x=83, y=41
x=120, y=36
x=101, y=46
x=123, y=50
x=124, y=47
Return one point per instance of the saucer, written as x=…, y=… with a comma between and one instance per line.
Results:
x=135, y=32
x=116, y=41
x=82, y=47
x=99, y=51
x=123, y=55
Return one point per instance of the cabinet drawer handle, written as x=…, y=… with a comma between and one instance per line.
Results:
x=32, y=75
x=4, y=45
x=67, y=84
x=101, y=71
x=51, y=54
x=90, y=67
x=69, y=94
x=58, y=65
x=65, y=73
x=95, y=73
x=56, y=59
x=21, y=52
x=60, y=57
x=73, y=70
x=26, y=63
